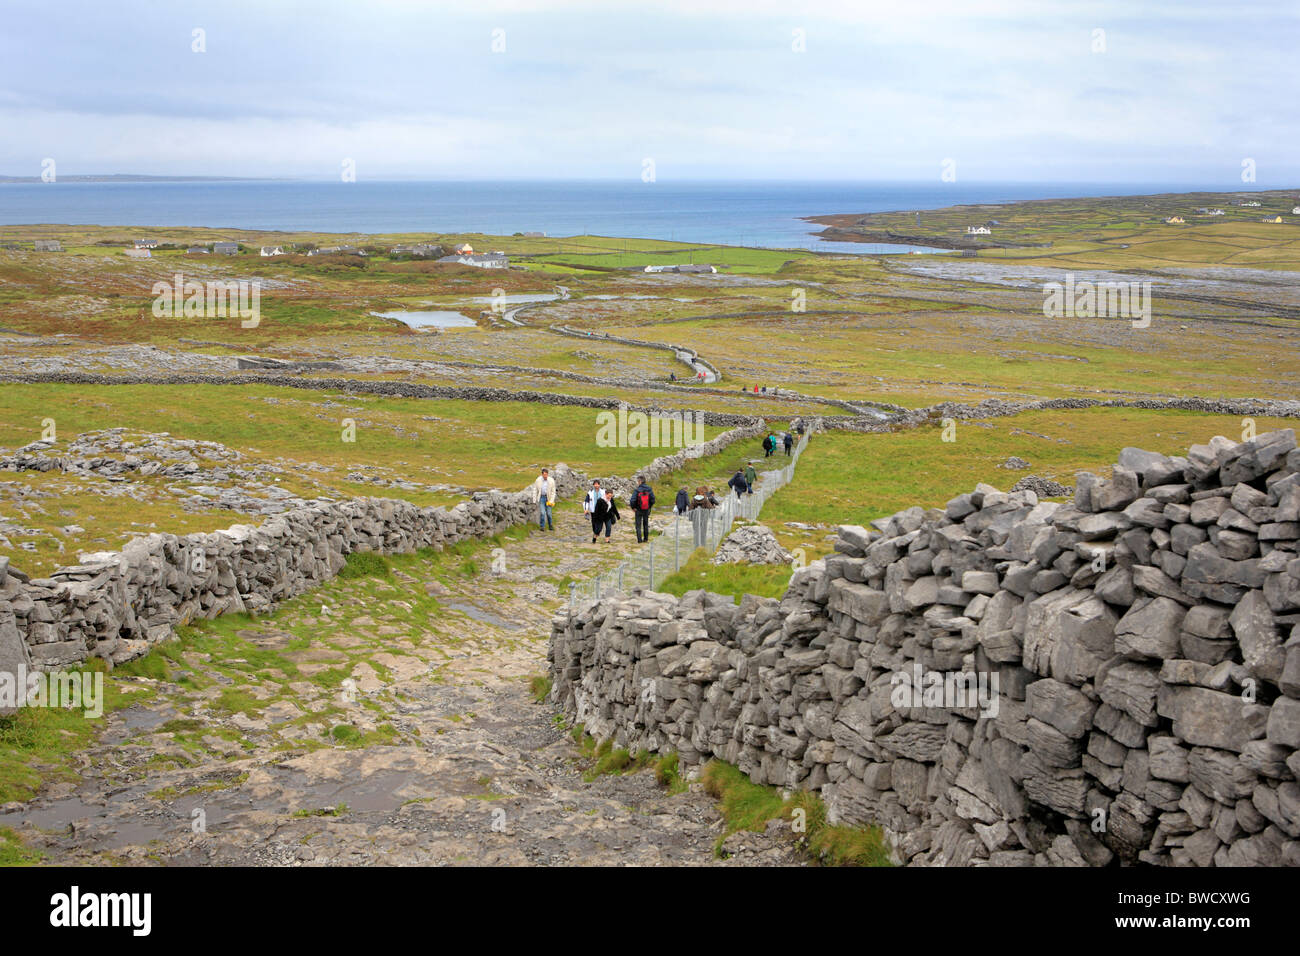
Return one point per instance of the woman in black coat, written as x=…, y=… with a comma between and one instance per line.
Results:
x=603, y=516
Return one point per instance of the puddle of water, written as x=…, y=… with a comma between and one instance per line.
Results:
x=108, y=832
x=139, y=718
x=435, y=319
x=485, y=617
x=378, y=792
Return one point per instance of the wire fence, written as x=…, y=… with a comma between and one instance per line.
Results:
x=665, y=553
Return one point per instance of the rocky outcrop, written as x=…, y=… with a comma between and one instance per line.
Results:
x=1043, y=487
x=1003, y=681
x=752, y=544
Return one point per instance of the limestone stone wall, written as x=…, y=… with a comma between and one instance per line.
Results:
x=1144, y=642
x=473, y=393
x=116, y=605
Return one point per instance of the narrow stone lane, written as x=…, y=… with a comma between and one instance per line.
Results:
x=382, y=719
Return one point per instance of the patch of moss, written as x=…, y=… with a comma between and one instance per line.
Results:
x=366, y=564
x=746, y=805
x=540, y=686
x=14, y=852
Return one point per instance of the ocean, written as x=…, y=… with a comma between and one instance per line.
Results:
x=765, y=214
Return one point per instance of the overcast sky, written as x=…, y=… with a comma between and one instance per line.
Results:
x=1183, y=92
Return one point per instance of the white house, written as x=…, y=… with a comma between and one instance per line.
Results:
x=1295, y=210
x=481, y=260
x=978, y=231
x=272, y=251
x=695, y=267
x=147, y=244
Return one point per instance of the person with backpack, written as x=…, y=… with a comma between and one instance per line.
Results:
x=768, y=446
x=604, y=516
x=789, y=442
x=703, y=499
x=737, y=483
x=751, y=476
x=642, y=500
x=682, y=503
x=543, y=492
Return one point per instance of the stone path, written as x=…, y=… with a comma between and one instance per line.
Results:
x=376, y=720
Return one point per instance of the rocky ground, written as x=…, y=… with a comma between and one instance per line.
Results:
x=376, y=720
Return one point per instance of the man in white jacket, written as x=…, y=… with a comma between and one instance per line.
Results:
x=543, y=490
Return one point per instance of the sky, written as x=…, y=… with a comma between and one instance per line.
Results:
x=1183, y=91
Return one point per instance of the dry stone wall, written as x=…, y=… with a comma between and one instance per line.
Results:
x=116, y=605
x=1003, y=681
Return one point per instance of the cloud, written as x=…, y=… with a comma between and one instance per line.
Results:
x=587, y=89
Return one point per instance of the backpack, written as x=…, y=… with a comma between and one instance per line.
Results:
x=643, y=501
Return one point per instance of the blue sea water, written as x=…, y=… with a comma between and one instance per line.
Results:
x=735, y=213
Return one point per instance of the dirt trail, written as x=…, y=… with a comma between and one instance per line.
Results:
x=376, y=720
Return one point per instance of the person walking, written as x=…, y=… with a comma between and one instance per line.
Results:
x=701, y=505
x=604, y=516
x=543, y=492
x=703, y=499
x=589, y=503
x=767, y=447
x=642, y=500
x=737, y=483
x=789, y=442
x=751, y=476
x=682, y=503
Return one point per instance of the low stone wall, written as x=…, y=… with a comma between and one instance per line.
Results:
x=116, y=605
x=1000, y=408
x=473, y=393
x=1141, y=698
x=693, y=357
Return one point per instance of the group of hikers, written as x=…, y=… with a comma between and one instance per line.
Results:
x=598, y=505
x=601, y=508
x=774, y=441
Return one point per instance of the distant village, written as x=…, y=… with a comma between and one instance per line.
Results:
x=986, y=228
x=462, y=254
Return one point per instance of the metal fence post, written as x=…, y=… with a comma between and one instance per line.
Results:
x=677, y=534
